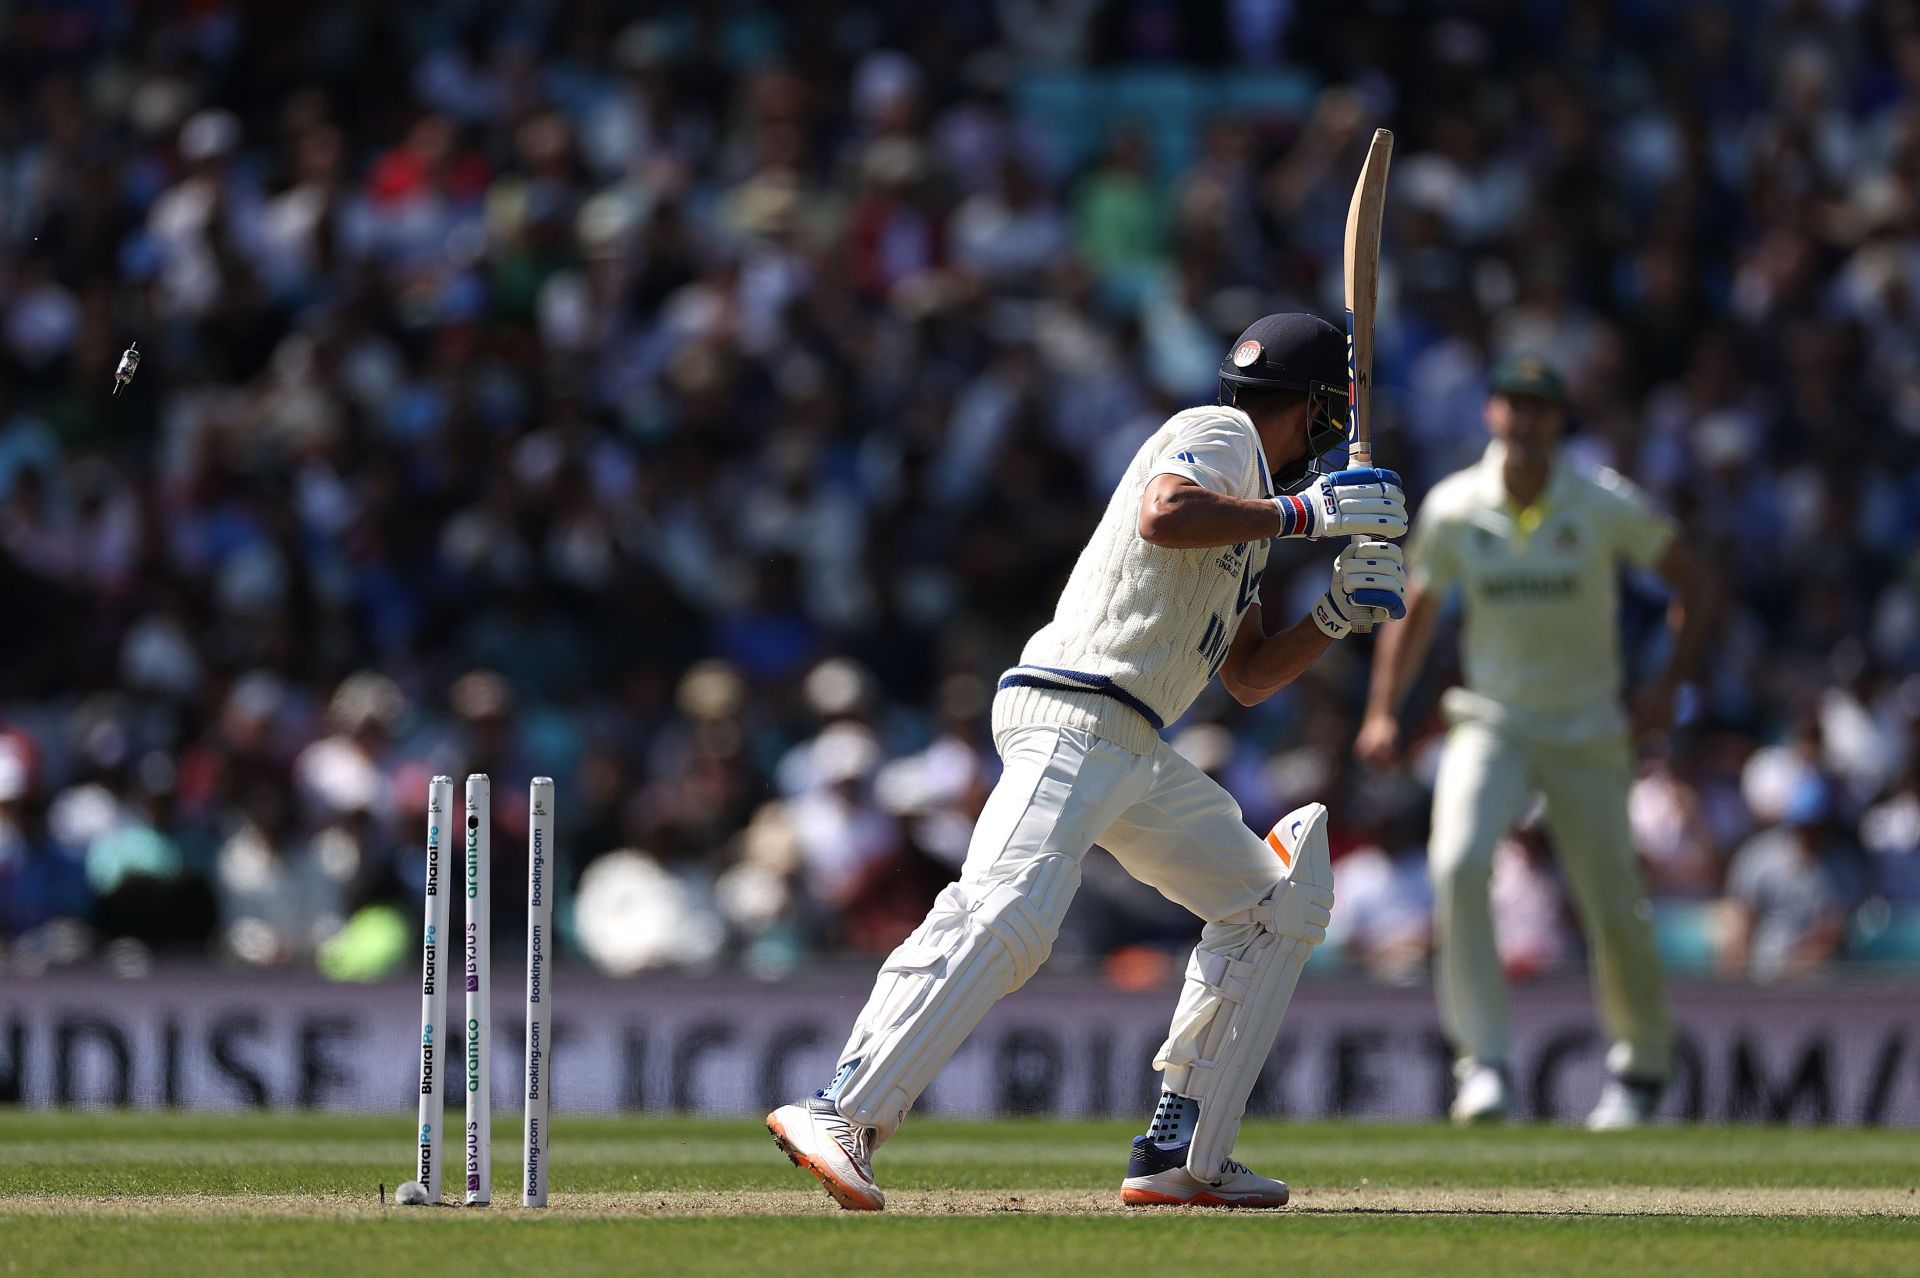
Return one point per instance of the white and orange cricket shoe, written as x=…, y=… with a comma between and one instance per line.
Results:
x=1159, y=1177
x=837, y=1151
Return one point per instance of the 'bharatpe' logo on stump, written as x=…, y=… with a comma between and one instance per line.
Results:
x=426, y=1154
x=426, y=1062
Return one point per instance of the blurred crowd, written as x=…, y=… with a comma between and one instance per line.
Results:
x=700, y=404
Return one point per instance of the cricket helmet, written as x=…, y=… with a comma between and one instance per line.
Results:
x=1297, y=352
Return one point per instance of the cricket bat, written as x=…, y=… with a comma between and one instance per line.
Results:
x=1363, y=289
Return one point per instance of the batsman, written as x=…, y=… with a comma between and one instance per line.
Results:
x=1534, y=549
x=1163, y=598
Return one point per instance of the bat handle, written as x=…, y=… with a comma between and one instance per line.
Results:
x=1359, y=457
x=1361, y=627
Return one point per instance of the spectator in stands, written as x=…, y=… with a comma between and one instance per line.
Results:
x=1890, y=833
x=1790, y=891
x=42, y=882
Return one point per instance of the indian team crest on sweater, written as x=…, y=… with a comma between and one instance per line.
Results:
x=1141, y=629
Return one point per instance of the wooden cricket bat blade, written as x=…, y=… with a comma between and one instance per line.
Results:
x=1364, y=217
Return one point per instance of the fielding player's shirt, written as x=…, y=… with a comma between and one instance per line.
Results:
x=1541, y=645
x=1141, y=629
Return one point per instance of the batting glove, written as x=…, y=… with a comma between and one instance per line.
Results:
x=1369, y=586
x=1347, y=503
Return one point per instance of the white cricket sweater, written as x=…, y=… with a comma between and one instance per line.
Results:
x=1140, y=629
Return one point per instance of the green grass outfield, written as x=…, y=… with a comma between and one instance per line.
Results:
x=141, y=1193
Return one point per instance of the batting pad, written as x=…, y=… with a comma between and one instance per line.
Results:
x=1238, y=985
x=979, y=944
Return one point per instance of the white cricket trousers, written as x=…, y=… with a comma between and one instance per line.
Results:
x=1488, y=776
x=1166, y=822
x=1062, y=790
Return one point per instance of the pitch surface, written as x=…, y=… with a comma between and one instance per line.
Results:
x=267, y=1194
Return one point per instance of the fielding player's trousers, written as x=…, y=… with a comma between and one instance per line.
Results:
x=1488, y=775
x=1062, y=790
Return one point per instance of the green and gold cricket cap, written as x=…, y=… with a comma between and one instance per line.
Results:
x=1528, y=374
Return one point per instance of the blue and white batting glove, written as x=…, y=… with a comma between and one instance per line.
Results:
x=1369, y=586
x=1347, y=503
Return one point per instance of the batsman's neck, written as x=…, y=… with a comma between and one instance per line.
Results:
x=1283, y=437
x=1526, y=472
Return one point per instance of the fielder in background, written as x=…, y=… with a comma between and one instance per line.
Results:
x=1163, y=598
x=1535, y=548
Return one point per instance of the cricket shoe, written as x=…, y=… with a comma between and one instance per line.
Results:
x=1481, y=1096
x=1625, y=1103
x=838, y=1152
x=1159, y=1177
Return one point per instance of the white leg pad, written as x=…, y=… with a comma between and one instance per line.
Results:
x=1238, y=985
x=979, y=943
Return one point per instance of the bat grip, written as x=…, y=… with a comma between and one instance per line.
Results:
x=1359, y=457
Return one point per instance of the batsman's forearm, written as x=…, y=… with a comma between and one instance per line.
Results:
x=1277, y=660
x=1183, y=516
